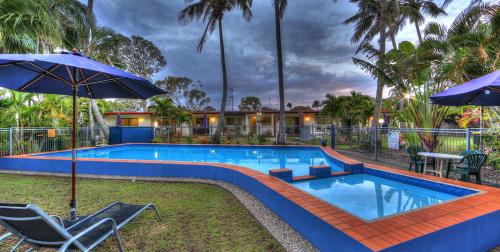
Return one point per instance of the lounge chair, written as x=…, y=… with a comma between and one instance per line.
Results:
x=39, y=230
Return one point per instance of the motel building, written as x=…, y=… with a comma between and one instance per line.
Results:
x=236, y=122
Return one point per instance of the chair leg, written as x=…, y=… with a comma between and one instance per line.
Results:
x=478, y=178
x=411, y=163
x=118, y=241
x=153, y=207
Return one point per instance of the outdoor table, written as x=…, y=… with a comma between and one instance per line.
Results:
x=438, y=156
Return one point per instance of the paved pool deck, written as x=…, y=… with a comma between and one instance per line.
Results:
x=470, y=223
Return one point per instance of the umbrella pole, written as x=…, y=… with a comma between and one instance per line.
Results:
x=72, y=204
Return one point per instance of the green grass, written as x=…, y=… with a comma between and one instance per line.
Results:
x=196, y=217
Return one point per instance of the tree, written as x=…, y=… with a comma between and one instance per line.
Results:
x=250, y=103
x=140, y=56
x=209, y=108
x=212, y=12
x=316, y=104
x=279, y=12
x=371, y=20
x=332, y=107
x=414, y=10
x=197, y=99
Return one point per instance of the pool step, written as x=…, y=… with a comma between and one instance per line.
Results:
x=284, y=174
x=315, y=172
x=320, y=171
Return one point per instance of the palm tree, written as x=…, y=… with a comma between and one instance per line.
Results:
x=279, y=11
x=212, y=12
x=414, y=11
x=371, y=19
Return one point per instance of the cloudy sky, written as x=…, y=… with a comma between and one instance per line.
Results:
x=316, y=44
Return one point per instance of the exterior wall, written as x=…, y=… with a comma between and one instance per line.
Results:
x=144, y=119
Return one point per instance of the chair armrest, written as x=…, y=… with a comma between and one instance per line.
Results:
x=89, y=229
x=5, y=236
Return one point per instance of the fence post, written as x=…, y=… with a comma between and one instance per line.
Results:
x=467, y=140
x=376, y=142
x=332, y=136
x=10, y=142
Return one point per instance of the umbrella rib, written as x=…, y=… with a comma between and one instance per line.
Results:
x=124, y=86
x=70, y=75
x=50, y=75
x=87, y=86
x=101, y=81
x=86, y=79
x=39, y=76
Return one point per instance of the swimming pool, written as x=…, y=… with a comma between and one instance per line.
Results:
x=371, y=197
x=259, y=158
x=451, y=225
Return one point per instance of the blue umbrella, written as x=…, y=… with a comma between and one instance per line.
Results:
x=71, y=74
x=482, y=91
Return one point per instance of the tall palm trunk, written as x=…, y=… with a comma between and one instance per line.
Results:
x=382, y=39
x=282, y=127
x=94, y=111
x=220, y=123
x=419, y=33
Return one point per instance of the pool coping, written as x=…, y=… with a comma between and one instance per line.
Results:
x=379, y=234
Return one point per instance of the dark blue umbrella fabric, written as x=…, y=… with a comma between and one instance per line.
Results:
x=56, y=74
x=71, y=74
x=482, y=91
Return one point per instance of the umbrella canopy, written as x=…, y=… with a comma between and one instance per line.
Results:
x=482, y=91
x=56, y=74
x=71, y=74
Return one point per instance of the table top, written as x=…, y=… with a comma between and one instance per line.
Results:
x=439, y=155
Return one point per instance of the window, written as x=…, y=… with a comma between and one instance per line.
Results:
x=130, y=122
x=265, y=120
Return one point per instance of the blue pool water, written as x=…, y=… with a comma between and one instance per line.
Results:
x=257, y=158
x=370, y=197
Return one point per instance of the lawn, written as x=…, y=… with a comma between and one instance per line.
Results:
x=196, y=217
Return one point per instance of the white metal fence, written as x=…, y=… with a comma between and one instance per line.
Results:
x=15, y=141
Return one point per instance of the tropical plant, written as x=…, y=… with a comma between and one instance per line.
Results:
x=212, y=12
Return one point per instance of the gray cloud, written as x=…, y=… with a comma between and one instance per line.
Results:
x=316, y=46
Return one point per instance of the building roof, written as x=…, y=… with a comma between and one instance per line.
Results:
x=128, y=113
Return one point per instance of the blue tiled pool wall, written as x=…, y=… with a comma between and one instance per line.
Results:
x=322, y=235
x=476, y=235
x=440, y=187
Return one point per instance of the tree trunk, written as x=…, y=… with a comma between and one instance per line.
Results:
x=91, y=121
x=393, y=40
x=419, y=34
x=380, y=82
x=282, y=127
x=220, y=123
x=93, y=104
x=99, y=118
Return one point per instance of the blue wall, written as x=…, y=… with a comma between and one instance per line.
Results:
x=119, y=135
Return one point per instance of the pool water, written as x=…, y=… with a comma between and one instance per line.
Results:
x=370, y=197
x=258, y=158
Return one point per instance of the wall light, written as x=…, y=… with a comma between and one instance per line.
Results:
x=141, y=119
x=307, y=118
x=212, y=119
x=381, y=121
x=156, y=124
